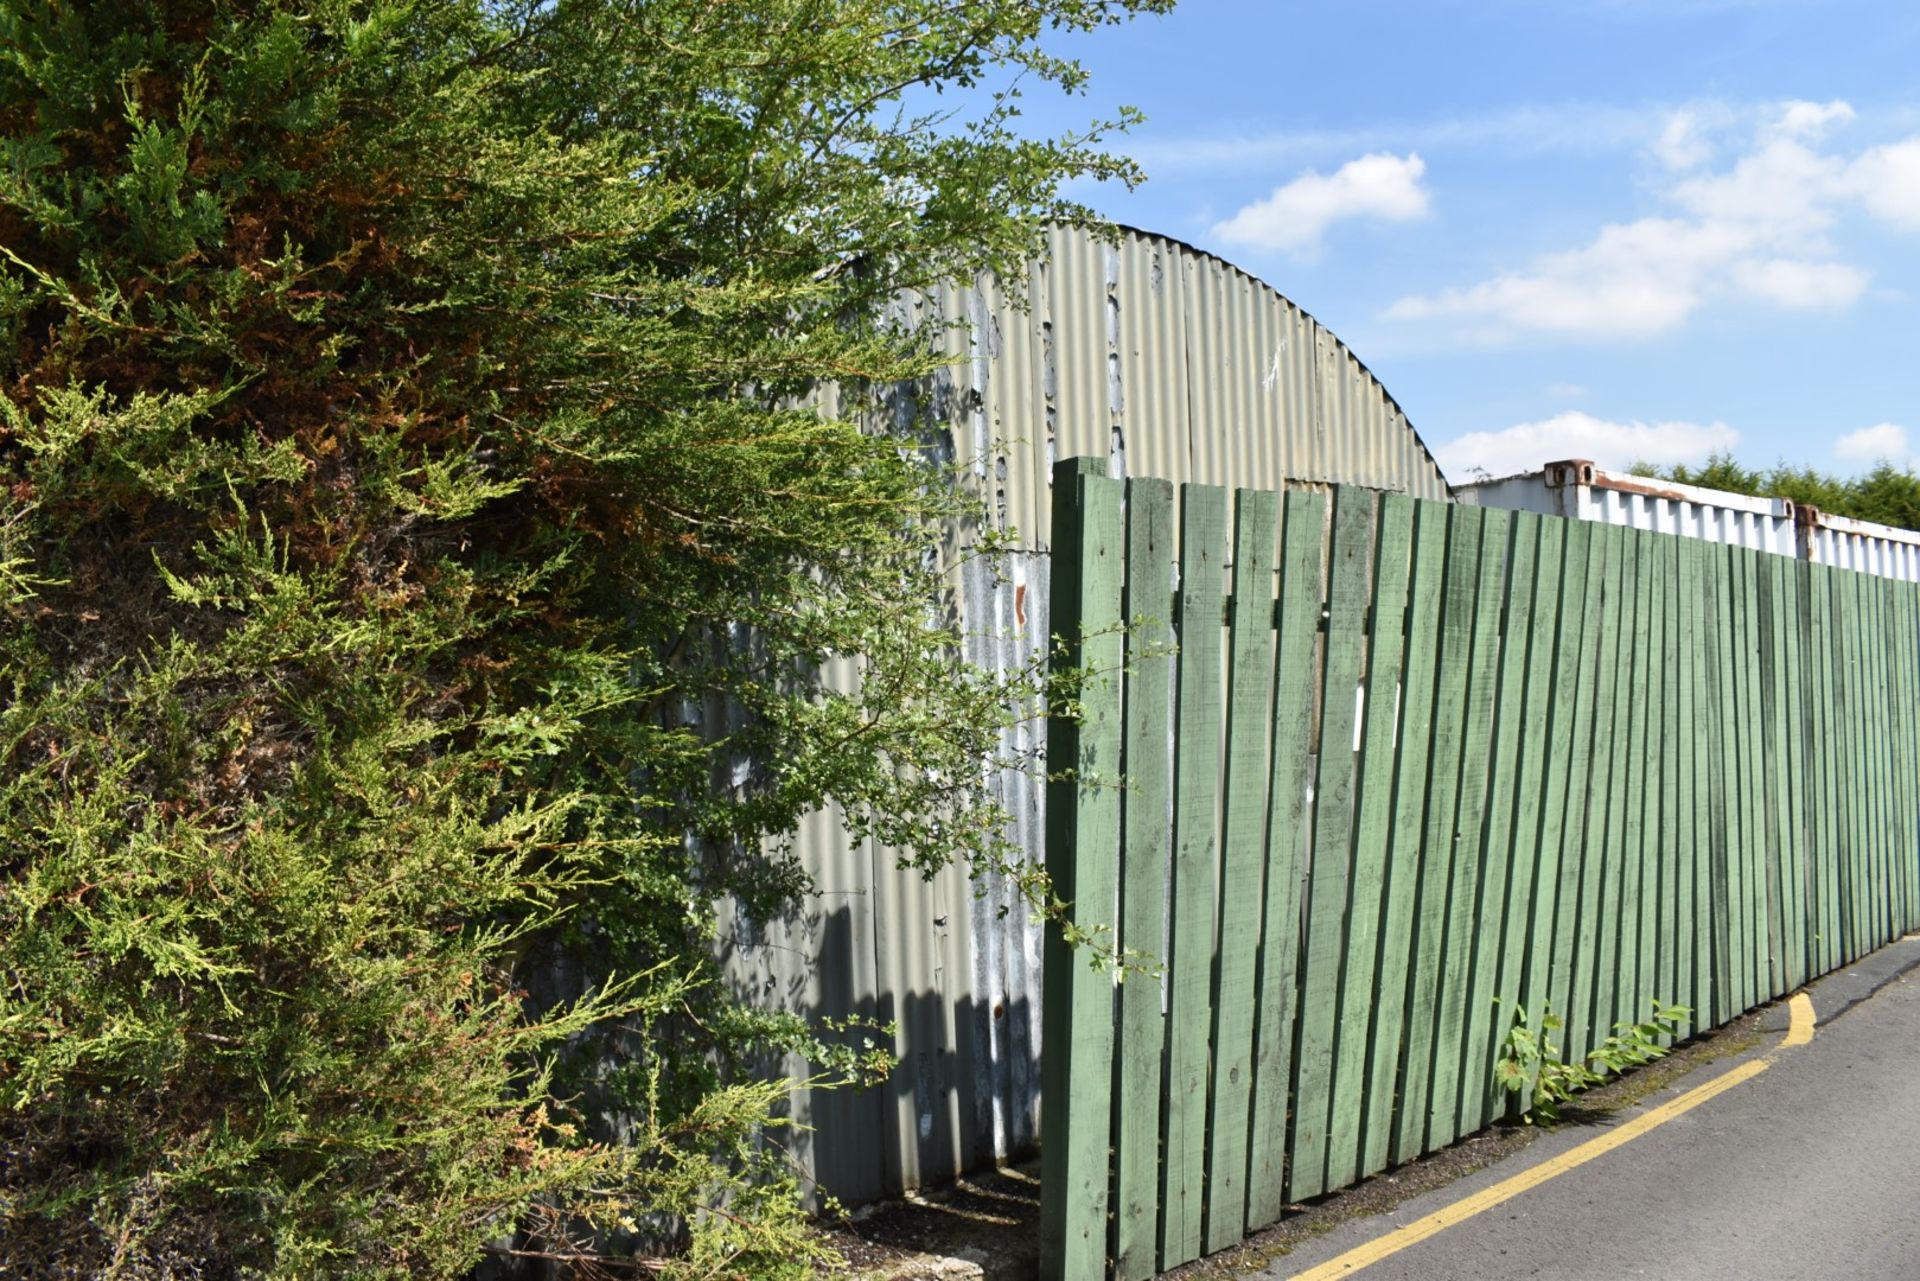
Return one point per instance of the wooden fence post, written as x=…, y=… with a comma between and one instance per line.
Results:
x=1083, y=838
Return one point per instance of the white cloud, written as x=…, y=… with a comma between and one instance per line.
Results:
x=1635, y=280
x=1573, y=434
x=1798, y=119
x=1871, y=444
x=1681, y=144
x=1566, y=391
x=1887, y=181
x=1801, y=286
x=1295, y=217
x=1755, y=230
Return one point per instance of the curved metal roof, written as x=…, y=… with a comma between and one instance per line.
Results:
x=1170, y=361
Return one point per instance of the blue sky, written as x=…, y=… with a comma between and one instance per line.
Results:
x=1615, y=229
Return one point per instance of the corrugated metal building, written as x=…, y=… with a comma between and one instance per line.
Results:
x=1579, y=490
x=1171, y=363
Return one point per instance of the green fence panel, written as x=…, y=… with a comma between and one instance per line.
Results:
x=1513, y=811
x=1147, y=762
x=1295, y=671
x=1325, y=945
x=1434, y=766
x=1587, y=840
x=1386, y=641
x=1242, y=860
x=1203, y=551
x=1464, y=900
x=1083, y=837
x=1426, y=582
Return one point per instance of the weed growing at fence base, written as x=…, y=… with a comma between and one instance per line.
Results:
x=1530, y=1067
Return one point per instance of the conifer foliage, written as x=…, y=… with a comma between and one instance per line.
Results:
x=415, y=576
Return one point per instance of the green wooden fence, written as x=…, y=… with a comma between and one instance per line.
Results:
x=1361, y=768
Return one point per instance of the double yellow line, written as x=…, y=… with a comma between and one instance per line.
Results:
x=1799, y=1032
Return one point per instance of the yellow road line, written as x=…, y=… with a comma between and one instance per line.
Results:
x=1440, y=1220
x=1799, y=1032
x=1800, y=1021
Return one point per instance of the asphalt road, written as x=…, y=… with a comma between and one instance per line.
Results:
x=1809, y=1170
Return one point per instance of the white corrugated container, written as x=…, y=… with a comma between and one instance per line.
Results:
x=1579, y=490
x=1840, y=541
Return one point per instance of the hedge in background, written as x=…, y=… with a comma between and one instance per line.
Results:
x=397, y=494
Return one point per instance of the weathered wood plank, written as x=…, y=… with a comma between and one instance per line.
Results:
x=1203, y=548
x=1437, y=846
x=1586, y=551
x=1083, y=835
x=1632, y=979
x=1426, y=582
x=1295, y=685
x=1325, y=947
x=1589, y=948
x=1145, y=851
x=1486, y=1020
x=1462, y=942
x=1242, y=860
x=1386, y=640
x=1615, y=921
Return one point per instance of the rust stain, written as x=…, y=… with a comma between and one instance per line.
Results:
x=1020, y=604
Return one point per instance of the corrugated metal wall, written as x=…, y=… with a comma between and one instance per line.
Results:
x=1171, y=363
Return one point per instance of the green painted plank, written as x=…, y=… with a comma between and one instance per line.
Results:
x=1325, y=947
x=1846, y=771
x=1203, y=548
x=1506, y=878
x=1540, y=545
x=1366, y=894
x=1906, y=655
x=1723, y=805
x=1301, y=593
x=1791, y=766
x=1884, y=785
x=1556, y=739
x=1893, y=730
x=1426, y=582
x=1750, y=725
x=1669, y=983
x=1450, y=715
x=1783, y=908
x=1907, y=599
x=1832, y=928
x=1465, y=908
x=1723, y=782
x=1145, y=851
x=1632, y=974
x=1768, y=969
x=1083, y=836
x=1578, y=693
x=1697, y=802
x=1753, y=782
x=1859, y=783
x=1242, y=860
x=1647, y=784
x=1808, y=702
x=1589, y=949
x=1615, y=879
